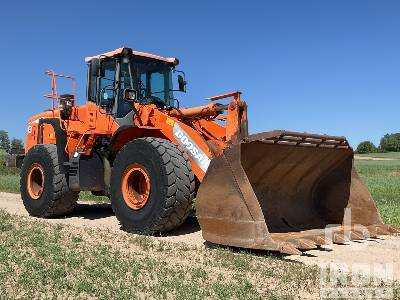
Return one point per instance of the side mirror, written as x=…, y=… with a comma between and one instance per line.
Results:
x=130, y=95
x=95, y=68
x=181, y=83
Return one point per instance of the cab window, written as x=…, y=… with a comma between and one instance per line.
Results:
x=107, y=84
x=127, y=81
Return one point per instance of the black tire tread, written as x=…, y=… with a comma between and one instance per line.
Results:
x=63, y=200
x=179, y=189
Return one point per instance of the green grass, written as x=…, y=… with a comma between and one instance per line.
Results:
x=9, y=177
x=3, y=155
x=42, y=260
x=383, y=181
x=9, y=183
x=395, y=155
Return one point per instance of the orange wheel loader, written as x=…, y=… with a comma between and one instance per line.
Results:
x=133, y=142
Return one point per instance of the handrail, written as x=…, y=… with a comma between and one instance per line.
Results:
x=54, y=92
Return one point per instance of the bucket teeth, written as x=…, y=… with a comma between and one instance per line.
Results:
x=339, y=238
x=383, y=229
x=356, y=235
x=368, y=232
x=318, y=239
x=393, y=229
x=372, y=231
x=365, y=232
x=388, y=229
x=304, y=244
x=289, y=248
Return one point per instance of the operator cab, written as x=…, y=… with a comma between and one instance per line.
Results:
x=117, y=79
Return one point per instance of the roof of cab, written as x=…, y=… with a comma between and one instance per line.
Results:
x=119, y=51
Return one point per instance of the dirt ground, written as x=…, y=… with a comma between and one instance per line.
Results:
x=384, y=250
x=93, y=215
x=373, y=158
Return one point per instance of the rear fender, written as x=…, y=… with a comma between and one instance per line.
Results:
x=50, y=132
x=127, y=133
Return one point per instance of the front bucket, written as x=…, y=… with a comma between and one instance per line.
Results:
x=280, y=191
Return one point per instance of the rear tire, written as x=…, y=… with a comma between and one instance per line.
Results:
x=44, y=187
x=169, y=190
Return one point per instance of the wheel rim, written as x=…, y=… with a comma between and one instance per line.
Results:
x=35, y=182
x=135, y=186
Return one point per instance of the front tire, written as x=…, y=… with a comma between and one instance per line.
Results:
x=152, y=186
x=44, y=187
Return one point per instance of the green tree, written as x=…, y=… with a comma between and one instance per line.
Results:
x=390, y=142
x=17, y=144
x=366, y=147
x=4, y=140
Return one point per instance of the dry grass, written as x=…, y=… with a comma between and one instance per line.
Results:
x=41, y=260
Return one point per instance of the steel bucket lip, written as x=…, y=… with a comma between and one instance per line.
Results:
x=278, y=133
x=293, y=138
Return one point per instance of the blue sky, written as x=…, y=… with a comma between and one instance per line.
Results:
x=319, y=66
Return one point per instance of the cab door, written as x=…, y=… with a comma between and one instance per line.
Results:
x=127, y=79
x=107, y=90
x=107, y=85
x=101, y=88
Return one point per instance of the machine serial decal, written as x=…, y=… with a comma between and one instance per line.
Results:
x=192, y=149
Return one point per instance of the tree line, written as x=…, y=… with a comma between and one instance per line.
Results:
x=7, y=145
x=388, y=143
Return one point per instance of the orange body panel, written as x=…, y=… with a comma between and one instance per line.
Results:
x=86, y=121
x=196, y=130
